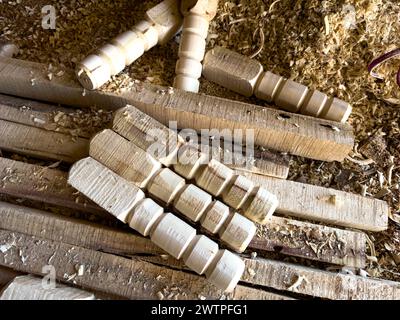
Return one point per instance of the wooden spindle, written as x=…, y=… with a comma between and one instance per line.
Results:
x=197, y=16
x=126, y=202
x=138, y=167
x=214, y=177
x=160, y=24
x=246, y=76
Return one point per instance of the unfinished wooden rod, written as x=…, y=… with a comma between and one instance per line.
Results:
x=257, y=203
x=278, y=130
x=247, y=77
x=128, y=204
x=160, y=24
x=197, y=16
x=138, y=167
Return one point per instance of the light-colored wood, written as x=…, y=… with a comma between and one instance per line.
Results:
x=236, y=73
x=161, y=24
x=8, y=49
x=173, y=235
x=238, y=191
x=307, y=281
x=318, y=283
x=189, y=160
x=197, y=17
x=227, y=270
x=135, y=126
x=215, y=217
x=167, y=18
x=326, y=205
x=41, y=143
x=43, y=184
x=264, y=162
x=56, y=227
x=44, y=116
x=148, y=134
x=78, y=123
x=109, y=273
x=105, y=188
x=201, y=254
x=287, y=236
x=245, y=76
x=144, y=216
x=214, y=177
x=261, y=205
x=124, y=158
x=296, y=134
x=119, y=197
x=165, y=185
x=238, y=232
x=193, y=202
x=31, y=288
x=130, y=162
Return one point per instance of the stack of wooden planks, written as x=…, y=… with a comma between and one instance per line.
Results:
x=314, y=227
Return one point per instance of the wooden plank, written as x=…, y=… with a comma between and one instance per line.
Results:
x=308, y=281
x=18, y=179
x=31, y=288
x=290, y=237
x=78, y=123
x=326, y=205
x=84, y=124
x=318, y=283
x=274, y=129
x=311, y=241
x=133, y=279
x=68, y=230
x=41, y=143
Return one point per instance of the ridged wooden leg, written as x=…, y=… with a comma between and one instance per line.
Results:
x=238, y=191
x=126, y=202
x=246, y=76
x=161, y=23
x=173, y=235
x=135, y=165
x=213, y=177
x=197, y=16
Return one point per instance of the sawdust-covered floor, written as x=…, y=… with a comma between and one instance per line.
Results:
x=324, y=44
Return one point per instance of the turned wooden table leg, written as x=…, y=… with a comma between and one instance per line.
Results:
x=246, y=76
x=127, y=202
x=160, y=24
x=197, y=17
